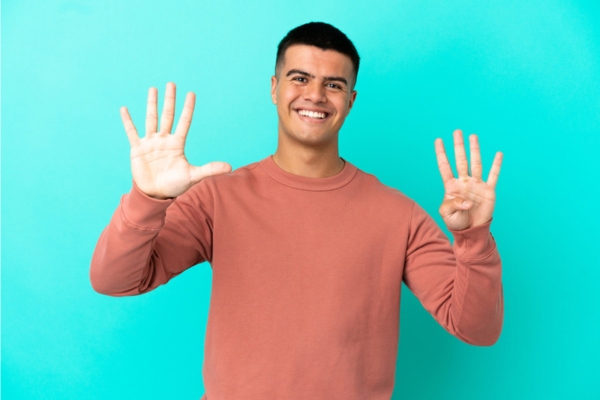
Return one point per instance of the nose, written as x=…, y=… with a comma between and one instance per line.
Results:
x=315, y=92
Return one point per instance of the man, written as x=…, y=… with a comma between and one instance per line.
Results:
x=308, y=253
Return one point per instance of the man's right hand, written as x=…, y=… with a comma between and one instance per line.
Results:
x=158, y=163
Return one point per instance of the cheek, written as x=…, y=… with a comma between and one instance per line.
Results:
x=342, y=105
x=289, y=94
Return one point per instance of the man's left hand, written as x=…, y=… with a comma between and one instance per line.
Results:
x=468, y=200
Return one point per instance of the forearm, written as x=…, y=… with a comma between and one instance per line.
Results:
x=460, y=285
x=477, y=291
x=124, y=261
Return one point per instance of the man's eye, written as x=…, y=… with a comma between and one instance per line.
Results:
x=334, y=86
x=300, y=79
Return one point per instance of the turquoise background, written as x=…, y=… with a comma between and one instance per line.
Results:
x=524, y=75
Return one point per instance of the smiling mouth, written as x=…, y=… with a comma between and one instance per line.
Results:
x=313, y=114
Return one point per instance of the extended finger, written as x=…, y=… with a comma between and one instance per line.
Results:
x=151, y=111
x=462, y=165
x=442, y=160
x=166, y=119
x=212, y=168
x=476, y=169
x=130, y=130
x=183, y=126
x=495, y=171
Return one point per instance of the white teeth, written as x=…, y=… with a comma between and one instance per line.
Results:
x=311, y=114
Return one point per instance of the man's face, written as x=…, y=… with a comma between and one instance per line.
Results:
x=313, y=93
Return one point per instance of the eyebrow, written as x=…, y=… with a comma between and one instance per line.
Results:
x=327, y=78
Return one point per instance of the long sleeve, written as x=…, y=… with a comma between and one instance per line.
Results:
x=149, y=241
x=306, y=277
x=461, y=286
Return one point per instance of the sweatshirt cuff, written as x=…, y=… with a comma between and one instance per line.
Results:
x=142, y=211
x=474, y=243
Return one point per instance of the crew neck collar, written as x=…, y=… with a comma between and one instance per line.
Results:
x=305, y=183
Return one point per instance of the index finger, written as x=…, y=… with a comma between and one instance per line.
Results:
x=442, y=161
x=185, y=120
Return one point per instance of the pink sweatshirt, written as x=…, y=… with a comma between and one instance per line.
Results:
x=307, y=275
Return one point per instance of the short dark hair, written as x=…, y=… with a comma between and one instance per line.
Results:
x=321, y=35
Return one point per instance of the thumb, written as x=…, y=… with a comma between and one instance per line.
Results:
x=452, y=205
x=210, y=169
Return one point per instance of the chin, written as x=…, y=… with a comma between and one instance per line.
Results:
x=315, y=140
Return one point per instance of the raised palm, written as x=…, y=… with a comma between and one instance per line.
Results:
x=468, y=200
x=158, y=163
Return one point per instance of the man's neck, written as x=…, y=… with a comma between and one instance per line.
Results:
x=309, y=162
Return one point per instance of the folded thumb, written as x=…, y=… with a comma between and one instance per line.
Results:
x=450, y=206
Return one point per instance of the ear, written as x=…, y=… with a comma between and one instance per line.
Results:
x=352, y=98
x=274, y=89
